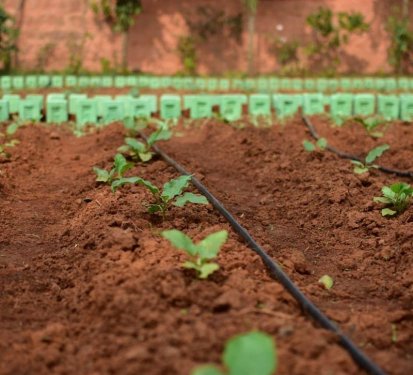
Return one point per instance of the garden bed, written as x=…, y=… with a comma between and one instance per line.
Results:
x=89, y=287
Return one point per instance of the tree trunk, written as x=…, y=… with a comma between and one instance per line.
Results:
x=251, y=43
x=125, y=43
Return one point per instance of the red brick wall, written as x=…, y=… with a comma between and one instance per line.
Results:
x=152, y=43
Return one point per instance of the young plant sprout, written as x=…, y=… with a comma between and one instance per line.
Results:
x=171, y=194
x=6, y=140
x=320, y=145
x=120, y=166
x=199, y=254
x=141, y=151
x=371, y=124
x=252, y=353
x=397, y=196
x=375, y=153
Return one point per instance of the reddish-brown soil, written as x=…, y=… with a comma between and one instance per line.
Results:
x=87, y=286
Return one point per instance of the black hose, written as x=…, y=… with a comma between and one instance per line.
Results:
x=276, y=271
x=345, y=155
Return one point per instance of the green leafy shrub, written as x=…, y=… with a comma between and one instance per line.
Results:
x=401, y=42
x=141, y=151
x=8, y=39
x=171, y=194
x=330, y=32
x=372, y=125
x=375, y=153
x=397, y=196
x=252, y=353
x=199, y=254
x=187, y=53
x=120, y=167
x=7, y=140
x=320, y=145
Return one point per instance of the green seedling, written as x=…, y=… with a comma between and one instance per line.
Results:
x=326, y=281
x=120, y=166
x=171, y=194
x=397, y=196
x=320, y=145
x=252, y=353
x=371, y=124
x=141, y=151
x=7, y=140
x=199, y=254
x=375, y=153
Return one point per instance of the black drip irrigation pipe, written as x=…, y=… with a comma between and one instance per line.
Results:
x=345, y=155
x=276, y=272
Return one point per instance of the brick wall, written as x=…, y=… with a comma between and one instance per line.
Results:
x=61, y=26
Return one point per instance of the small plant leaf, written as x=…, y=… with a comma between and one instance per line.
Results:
x=12, y=128
x=180, y=240
x=308, y=146
x=326, y=281
x=207, y=370
x=121, y=164
x=322, y=143
x=134, y=180
x=190, y=198
x=129, y=123
x=175, y=187
x=207, y=269
x=375, y=153
x=382, y=200
x=210, y=245
x=388, y=212
x=102, y=175
x=154, y=208
x=135, y=145
x=251, y=353
x=162, y=134
x=145, y=156
x=359, y=168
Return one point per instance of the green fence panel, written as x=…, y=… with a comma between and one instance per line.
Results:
x=364, y=104
x=322, y=85
x=140, y=107
x=212, y=84
x=29, y=110
x=86, y=112
x=153, y=102
x=259, y=105
x=18, y=82
x=96, y=81
x=6, y=83
x=224, y=84
x=44, y=81
x=31, y=82
x=170, y=107
x=37, y=98
x=333, y=84
x=230, y=106
x=13, y=102
x=345, y=84
x=99, y=100
x=55, y=96
x=274, y=84
x=358, y=84
x=56, y=81
x=200, y=83
x=368, y=83
x=107, y=81
x=388, y=106
x=406, y=107
x=403, y=84
x=313, y=103
x=120, y=82
x=200, y=106
x=132, y=81
x=379, y=84
x=56, y=111
x=310, y=84
x=341, y=106
x=73, y=102
x=4, y=110
x=390, y=84
x=113, y=110
x=286, y=105
x=263, y=84
x=83, y=82
x=286, y=84
x=297, y=84
x=71, y=81
x=166, y=82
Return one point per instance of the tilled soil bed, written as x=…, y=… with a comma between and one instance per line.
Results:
x=89, y=287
